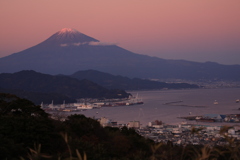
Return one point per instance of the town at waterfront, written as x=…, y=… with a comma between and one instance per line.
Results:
x=210, y=129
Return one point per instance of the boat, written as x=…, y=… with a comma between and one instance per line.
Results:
x=198, y=117
x=77, y=104
x=237, y=101
x=215, y=102
x=135, y=100
x=83, y=106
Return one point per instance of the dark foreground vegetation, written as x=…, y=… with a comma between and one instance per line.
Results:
x=27, y=132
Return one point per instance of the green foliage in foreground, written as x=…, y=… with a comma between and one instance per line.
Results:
x=26, y=132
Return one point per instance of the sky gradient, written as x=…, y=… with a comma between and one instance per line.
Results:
x=195, y=30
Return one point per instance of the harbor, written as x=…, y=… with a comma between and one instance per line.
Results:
x=86, y=104
x=182, y=118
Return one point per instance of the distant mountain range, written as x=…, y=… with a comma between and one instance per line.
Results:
x=39, y=87
x=112, y=82
x=69, y=51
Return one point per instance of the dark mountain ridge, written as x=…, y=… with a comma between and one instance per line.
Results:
x=69, y=51
x=26, y=82
x=112, y=82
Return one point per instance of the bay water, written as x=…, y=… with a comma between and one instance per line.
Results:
x=168, y=105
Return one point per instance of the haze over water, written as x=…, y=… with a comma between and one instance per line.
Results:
x=196, y=101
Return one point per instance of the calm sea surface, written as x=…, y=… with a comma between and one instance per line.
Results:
x=194, y=102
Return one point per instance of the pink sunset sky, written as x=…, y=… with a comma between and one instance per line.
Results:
x=195, y=30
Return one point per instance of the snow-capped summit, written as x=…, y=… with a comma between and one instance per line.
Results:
x=67, y=30
x=69, y=37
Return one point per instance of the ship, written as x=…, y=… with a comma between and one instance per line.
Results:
x=135, y=100
x=215, y=102
x=205, y=120
x=83, y=106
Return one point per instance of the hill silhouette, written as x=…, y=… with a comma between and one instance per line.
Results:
x=33, y=84
x=112, y=82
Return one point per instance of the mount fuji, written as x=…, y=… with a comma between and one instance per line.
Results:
x=68, y=51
